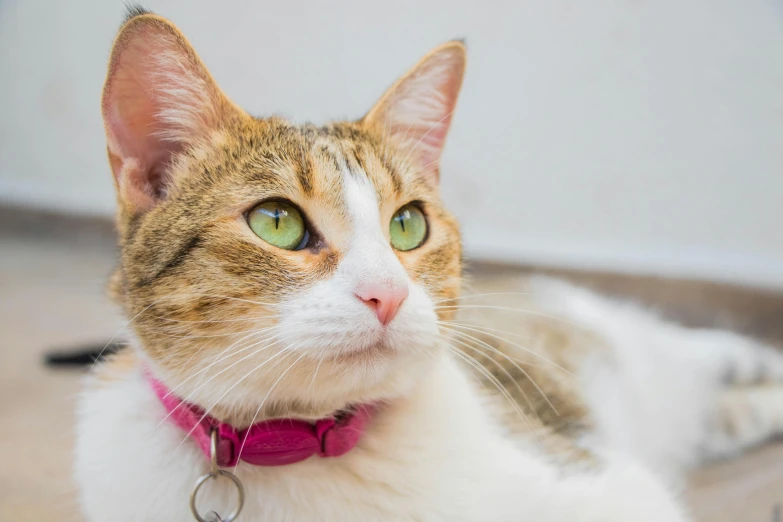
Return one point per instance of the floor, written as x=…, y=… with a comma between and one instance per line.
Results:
x=52, y=273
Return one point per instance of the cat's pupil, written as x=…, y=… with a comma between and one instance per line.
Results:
x=401, y=219
x=277, y=218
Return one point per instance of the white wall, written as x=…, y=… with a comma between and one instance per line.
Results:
x=633, y=135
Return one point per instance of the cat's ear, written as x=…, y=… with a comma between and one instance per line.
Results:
x=158, y=99
x=415, y=112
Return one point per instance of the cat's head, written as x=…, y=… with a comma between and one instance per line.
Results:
x=302, y=265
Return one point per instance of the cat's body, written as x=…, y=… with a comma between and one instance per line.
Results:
x=597, y=407
x=435, y=455
x=656, y=396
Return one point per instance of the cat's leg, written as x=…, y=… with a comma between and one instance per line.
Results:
x=747, y=409
x=750, y=407
x=738, y=359
x=670, y=395
x=745, y=417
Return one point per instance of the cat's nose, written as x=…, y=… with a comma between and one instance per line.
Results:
x=383, y=300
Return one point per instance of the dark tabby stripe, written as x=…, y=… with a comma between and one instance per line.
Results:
x=176, y=259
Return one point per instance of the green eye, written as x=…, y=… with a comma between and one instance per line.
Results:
x=408, y=228
x=278, y=223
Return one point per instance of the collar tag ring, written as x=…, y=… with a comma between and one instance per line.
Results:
x=214, y=474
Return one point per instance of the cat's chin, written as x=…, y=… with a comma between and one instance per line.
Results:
x=374, y=353
x=364, y=374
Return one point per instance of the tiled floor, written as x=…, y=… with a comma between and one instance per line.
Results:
x=51, y=295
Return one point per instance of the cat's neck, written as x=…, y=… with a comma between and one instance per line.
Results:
x=246, y=409
x=242, y=417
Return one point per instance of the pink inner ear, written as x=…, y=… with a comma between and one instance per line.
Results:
x=418, y=111
x=158, y=98
x=133, y=125
x=431, y=140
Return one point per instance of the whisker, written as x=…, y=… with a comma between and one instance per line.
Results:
x=509, y=309
x=318, y=367
x=244, y=440
x=253, y=343
x=485, y=328
x=186, y=399
x=506, y=373
x=467, y=296
x=230, y=298
x=146, y=308
x=211, y=336
x=121, y=329
x=248, y=374
x=451, y=326
x=494, y=380
x=187, y=322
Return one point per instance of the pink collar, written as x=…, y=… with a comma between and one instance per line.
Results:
x=270, y=443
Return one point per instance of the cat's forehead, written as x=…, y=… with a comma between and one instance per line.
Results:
x=275, y=158
x=345, y=149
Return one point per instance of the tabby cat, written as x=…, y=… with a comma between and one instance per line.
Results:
x=300, y=279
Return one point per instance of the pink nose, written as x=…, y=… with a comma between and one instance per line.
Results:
x=385, y=301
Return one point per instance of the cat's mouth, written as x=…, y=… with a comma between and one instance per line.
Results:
x=366, y=354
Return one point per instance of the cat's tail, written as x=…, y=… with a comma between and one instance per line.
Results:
x=80, y=356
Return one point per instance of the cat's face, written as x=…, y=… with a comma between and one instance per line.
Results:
x=297, y=265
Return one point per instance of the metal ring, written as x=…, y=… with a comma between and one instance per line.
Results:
x=213, y=449
x=215, y=475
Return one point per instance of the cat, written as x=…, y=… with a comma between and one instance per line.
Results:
x=278, y=271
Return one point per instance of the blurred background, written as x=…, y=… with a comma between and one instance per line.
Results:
x=632, y=145
x=632, y=135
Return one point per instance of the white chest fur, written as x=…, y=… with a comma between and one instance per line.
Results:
x=432, y=456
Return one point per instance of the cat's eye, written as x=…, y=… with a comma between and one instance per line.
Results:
x=279, y=224
x=408, y=228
